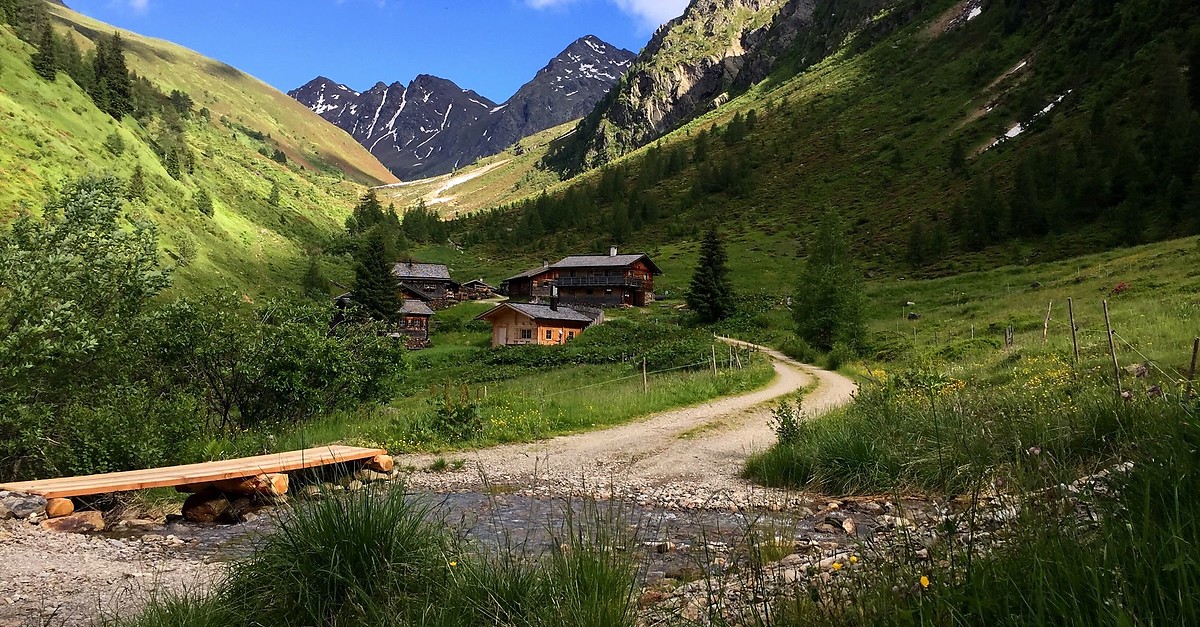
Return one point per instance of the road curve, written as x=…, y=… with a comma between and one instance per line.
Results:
x=690, y=454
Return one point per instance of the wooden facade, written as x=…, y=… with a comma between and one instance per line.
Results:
x=595, y=280
x=519, y=324
x=426, y=282
x=475, y=289
x=415, y=325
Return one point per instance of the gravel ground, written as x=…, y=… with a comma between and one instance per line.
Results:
x=67, y=579
x=687, y=458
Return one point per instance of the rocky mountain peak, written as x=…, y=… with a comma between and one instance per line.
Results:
x=433, y=126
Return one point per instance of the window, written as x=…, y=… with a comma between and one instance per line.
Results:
x=570, y=335
x=549, y=334
x=526, y=334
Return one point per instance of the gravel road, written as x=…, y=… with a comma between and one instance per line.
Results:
x=690, y=457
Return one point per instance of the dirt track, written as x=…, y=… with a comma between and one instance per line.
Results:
x=675, y=458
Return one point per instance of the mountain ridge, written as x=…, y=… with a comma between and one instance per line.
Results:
x=432, y=126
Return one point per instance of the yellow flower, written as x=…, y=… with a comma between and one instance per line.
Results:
x=853, y=559
x=837, y=565
x=924, y=581
x=453, y=564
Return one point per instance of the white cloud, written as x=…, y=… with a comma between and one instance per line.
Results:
x=139, y=5
x=653, y=13
x=649, y=13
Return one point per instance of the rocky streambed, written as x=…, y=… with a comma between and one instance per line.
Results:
x=681, y=548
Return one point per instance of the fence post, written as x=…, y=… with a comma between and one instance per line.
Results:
x=1046, y=323
x=1074, y=335
x=1112, y=347
x=714, y=359
x=645, y=378
x=1192, y=370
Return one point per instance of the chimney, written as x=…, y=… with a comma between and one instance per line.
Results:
x=554, y=298
x=612, y=251
x=545, y=263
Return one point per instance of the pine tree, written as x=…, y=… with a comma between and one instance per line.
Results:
x=916, y=244
x=375, y=289
x=314, y=283
x=710, y=293
x=828, y=305
x=273, y=200
x=958, y=157
x=136, y=188
x=45, y=60
x=204, y=203
x=113, y=89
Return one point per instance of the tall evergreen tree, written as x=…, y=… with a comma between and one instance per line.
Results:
x=45, y=60
x=314, y=283
x=828, y=305
x=113, y=89
x=273, y=200
x=375, y=289
x=136, y=188
x=710, y=293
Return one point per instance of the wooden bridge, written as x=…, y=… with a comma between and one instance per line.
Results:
x=208, y=473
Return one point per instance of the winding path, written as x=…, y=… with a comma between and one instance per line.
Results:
x=688, y=457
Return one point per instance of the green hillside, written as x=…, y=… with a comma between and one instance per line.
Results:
x=243, y=138
x=895, y=131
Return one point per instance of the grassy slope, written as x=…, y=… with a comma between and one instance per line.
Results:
x=867, y=132
x=52, y=131
x=493, y=181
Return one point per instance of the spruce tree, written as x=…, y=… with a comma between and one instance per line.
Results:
x=45, y=60
x=828, y=305
x=710, y=293
x=273, y=200
x=204, y=203
x=136, y=188
x=314, y=283
x=113, y=91
x=375, y=289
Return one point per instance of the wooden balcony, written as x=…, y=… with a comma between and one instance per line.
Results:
x=599, y=281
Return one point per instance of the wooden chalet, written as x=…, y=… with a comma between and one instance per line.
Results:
x=530, y=284
x=475, y=289
x=415, y=326
x=525, y=324
x=426, y=282
x=611, y=280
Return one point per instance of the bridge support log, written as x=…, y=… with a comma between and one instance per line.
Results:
x=259, y=485
x=381, y=463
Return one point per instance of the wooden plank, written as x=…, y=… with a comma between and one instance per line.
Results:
x=207, y=472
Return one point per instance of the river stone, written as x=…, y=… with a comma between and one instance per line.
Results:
x=79, y=522
x=21, y=505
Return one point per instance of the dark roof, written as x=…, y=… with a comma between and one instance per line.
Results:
x=415, y=308
x=416, y=291
x=605, y=261
x=413, y=270
x=540, y=312
x=529, y=274
x=477, y=281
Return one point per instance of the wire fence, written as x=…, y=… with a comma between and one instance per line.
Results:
x=707, y=363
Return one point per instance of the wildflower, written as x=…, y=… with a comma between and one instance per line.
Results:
x=837, y=565
x=924, y=581
x=853, y=559
x=453, y=564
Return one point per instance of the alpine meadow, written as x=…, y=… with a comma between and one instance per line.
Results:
x=865, y=312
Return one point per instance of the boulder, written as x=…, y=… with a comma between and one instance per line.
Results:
x=79, y=522
x=17, y=505
x=205, y=507
x=57, y=508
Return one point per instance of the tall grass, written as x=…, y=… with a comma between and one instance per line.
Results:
x=1128, y=554
x=386, y=558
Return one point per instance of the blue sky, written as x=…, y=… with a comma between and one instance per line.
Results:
x=491, y=46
